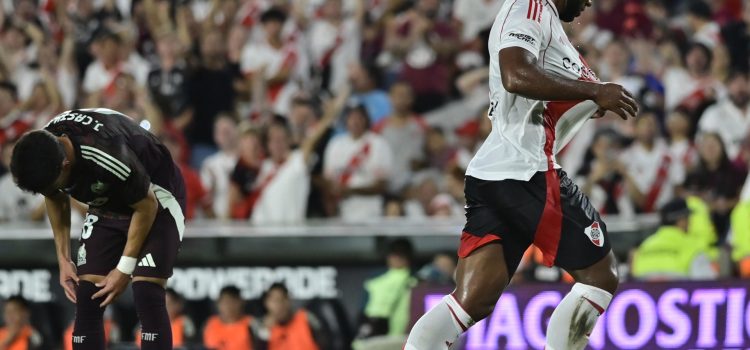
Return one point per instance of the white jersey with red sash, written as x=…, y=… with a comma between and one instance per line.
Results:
x=282, y=191
x=358, y=163
x=261, y=55
x=653, y=172
x=526, y=133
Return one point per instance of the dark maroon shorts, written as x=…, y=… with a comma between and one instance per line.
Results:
x=103, y=239
x=549, y=211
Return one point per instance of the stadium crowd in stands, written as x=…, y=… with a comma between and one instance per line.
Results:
x=282, y=110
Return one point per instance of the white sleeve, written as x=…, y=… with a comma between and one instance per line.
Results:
x=383, y=159
x=708, y=119
x=521, y=27
x=459, y=10
x=329, y=167
x=89, y=80
x=250, y=59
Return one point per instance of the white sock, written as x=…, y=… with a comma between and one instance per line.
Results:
x=575, y=317
x=439, y=328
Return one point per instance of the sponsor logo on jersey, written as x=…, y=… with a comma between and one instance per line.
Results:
x=99, y=187
x=595, y=234
x=81, y=255
x=580, y=69
x=523, y=37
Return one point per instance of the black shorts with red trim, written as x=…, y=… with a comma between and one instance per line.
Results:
x=548, y=211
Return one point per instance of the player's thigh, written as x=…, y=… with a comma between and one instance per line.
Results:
x=492, y=217
x=101, y=244
x=584, y=239
x=159, y=252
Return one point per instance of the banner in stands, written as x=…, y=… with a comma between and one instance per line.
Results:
x=195, y=283
x=304, y=282
x=34, y=285
x=706, y=315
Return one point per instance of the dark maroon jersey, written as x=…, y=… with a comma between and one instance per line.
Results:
x=117, y=161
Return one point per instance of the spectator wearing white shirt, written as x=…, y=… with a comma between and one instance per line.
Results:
x=276, y=61
x=15, y=204
x=357, y=166
x=730, y=118
x=218, y=167
x=475, y=16
x=700, y=23
x=113, y=59
x=334, y=42
x=691, y=87
x=281, y=189
x=650, y=165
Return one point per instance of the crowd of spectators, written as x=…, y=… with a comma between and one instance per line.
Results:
x=282, y=110
x=279, y=111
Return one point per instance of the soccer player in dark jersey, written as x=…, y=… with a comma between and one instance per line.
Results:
x=134, y=223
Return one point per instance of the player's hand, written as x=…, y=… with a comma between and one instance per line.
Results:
x=615, y=98
x=69, y=279
x=111, y=286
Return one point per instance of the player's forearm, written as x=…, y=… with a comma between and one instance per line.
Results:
x=521, y=75
x=58, y=209
x=536, y=84
x=143, y=218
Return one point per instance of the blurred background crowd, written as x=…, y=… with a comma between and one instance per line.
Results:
x=280, y=111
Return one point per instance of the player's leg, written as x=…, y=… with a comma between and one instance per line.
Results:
x=584, y=251
x=150, y=306
x=101, y=244
x=88, y=328
x=154, y=267
x=480, y=279
x=483, y=270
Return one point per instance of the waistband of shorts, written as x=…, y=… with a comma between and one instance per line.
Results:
x=108, y=214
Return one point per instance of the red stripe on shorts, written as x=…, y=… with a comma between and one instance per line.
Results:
x=547, y=236
x=470, y=243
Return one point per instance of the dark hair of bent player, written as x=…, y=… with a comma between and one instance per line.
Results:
x=37, y=161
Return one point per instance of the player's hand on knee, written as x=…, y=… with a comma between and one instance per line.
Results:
x=69, y=279
x=615, y=98
x=111, y=286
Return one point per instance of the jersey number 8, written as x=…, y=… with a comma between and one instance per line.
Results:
x=88, y=225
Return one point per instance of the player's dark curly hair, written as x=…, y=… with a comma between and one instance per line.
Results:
x=37, y=161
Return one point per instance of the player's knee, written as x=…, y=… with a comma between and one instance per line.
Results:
x=86, y=308
x=479, y=303
x=148, y=297
x=88, y=329
x=603, y=275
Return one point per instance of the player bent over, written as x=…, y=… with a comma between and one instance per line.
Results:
x=542, y=92
x=134, y=223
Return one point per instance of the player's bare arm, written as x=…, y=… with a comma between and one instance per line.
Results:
x=58, y=209
x=521, y=75
x=144, y=213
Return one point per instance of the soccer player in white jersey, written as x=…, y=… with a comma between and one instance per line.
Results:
x=541, y=91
